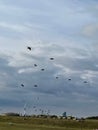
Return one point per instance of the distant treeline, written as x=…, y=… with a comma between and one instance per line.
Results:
x=49, y=116
x=17, y=114
x=93, y=117
x=11, y=114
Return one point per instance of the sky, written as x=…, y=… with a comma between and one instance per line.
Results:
x=66, y=30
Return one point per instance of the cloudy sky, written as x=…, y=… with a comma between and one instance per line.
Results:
x=66, y=30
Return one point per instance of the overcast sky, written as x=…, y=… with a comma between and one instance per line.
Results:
x=66, y=30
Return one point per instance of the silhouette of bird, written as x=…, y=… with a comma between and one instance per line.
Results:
x=85, y=81
x=51, y=58
x=35, y=65
x=35, y=85
x=57, y=77
x=29, y=48
x=69, y=79
x=22, y=85
x=42, y=69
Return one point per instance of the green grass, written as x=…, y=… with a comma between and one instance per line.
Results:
x=30, y=123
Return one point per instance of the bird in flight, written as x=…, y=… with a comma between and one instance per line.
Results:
x=69, y=79
x=57, y=77
x=35, y=65
x=29, y=48
x=22, y=85
x=42, y=69
x=35, y=85
x=85, y=81
x=51, y=58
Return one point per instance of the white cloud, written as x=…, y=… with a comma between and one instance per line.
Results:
x=19, y=28
x=27, y=70
x=90, y=30
x=90, y=76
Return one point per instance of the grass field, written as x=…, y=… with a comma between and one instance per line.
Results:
x=30, y=123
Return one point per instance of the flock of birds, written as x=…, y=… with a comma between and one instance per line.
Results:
x=35, y=85
x=35, y=65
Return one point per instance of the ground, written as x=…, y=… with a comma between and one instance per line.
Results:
x=31, y=123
